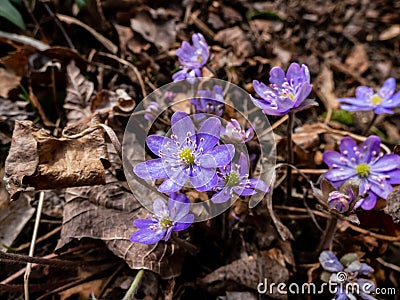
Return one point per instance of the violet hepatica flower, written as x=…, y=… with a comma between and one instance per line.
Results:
x=366, y=99
x=340, y=202
x=174, y=217
x=186, y=155
x=234, y=179
x=285, y=92
x=376, y=171
x=233, y=132
x=192, y=58
x=152, y=109
x=345, y=274
x=211, y=102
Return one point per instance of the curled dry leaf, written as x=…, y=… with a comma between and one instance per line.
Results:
x=237, y=39
x=41, y=161
x=250, y=271
x=107, y=213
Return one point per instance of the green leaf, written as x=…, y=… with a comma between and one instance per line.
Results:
x=80, y=3
x=8, y=11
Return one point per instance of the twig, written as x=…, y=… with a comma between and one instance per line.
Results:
x=42, y=238
x=274, y=126
x=33, y=242
x=388, y=265
x=59, y=25
x=135, y=284
x=133, y=68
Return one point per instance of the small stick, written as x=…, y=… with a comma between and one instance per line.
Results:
x=32, y=248
x=58, y=23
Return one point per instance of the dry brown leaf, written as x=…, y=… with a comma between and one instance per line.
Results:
x=160, y=33
x=324, y=87
x=118, y=102
x=41, y=161
x=358, y=59
x=13, y=216
x=251, y=271
x=393, y=204
x=79, y=91
x=236, y=38
x=8, y=82
x=107, y=213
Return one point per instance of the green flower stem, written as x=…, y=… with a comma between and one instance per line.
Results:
x=371, y=123
x=290, y=156
x=135, y=284
x=327, y=237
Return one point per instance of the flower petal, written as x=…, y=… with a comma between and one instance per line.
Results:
x=364, y=93
x=394, y=176
x=355, y=107
x=243, y=191
x=182, y=126
x=204, y=179
x=330, y=262
x=144, y=223
x=210, y=133
x=156, y=143
x=222, y=196
x=370, y=147
x=386, y=163
x=382, y=189
x=184, y=223
x=147, y=236
x=367, y=203
x=340, y=174
x=160, y=208
x=349, y=146
x=260, y=88
x=243, y=165
x=178, y=209
x=302, y=94
x=151, y=169
x=332, y=158
x=276, y=76
x=394, y=101
x=169, y=185
x=382, y=110
x=387, y=89
x=259, y=184
x=220, y=156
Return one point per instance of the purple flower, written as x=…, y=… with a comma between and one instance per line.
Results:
x=234, y=180
x=285, y=92
x=186, y=155
x=234, y=132
x=345, y=274
x=366, y=99
x=151, y=111
x=340, y=202
x=211, y=102
x=192, y=58
x=174, y=217
x=377, y=172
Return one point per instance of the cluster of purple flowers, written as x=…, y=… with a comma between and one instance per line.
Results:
x=196, y=156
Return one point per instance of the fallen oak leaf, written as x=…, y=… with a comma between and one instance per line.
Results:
x=41, y=161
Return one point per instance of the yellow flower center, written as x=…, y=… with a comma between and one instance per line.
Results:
x=186, y=155
x=232, y=179
x=199, y=59
x=376, y=99
x=363, y=170
x=166, y=223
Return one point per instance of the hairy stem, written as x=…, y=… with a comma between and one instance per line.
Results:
x=371, y=123
x=135, y=284
x=290, y=156
x=327, y=238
